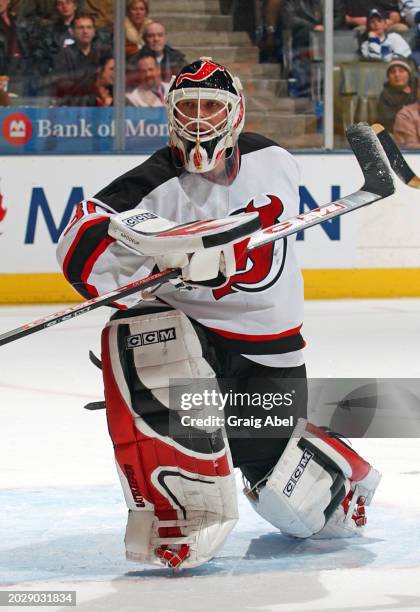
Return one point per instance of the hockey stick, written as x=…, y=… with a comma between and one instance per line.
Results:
x=396, y=158
x=377, y=186
x=84, y=307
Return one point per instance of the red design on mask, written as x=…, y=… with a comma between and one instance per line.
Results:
x=206, y=70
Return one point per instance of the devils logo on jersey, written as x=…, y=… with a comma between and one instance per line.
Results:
x=256, y=269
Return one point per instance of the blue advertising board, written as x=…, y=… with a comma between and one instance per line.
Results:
x=72, y=130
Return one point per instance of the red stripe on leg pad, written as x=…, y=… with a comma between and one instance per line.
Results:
x=145, y=453
x=358, y=467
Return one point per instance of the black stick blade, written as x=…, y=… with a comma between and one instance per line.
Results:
x=396, y=158
x=372, y=159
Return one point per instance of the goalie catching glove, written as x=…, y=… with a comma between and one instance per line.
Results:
x=203, y=250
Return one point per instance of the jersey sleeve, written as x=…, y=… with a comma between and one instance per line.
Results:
x=371, y=48
x=93, y=262
x=399, y=45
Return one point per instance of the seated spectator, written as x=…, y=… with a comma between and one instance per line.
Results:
x=20, y=52
x=135, y=24
x=11, y=53
x=171, y=60
x=357, y=11
x=103, y=91
x=399, y=90
x=75, y=66
x=407, y=124
x=60, y=32
x=377, y=44
x=301, y=18
x=43, y=11
x=100, y=91
x=102, y=12
x=150, y=91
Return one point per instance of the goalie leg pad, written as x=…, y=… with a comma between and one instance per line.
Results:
x=180, y=491
x=312, y=491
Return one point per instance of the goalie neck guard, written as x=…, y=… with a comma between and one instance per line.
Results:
x=206, y=115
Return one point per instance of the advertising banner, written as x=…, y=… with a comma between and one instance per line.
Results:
x=79, y=130
x=39, y=194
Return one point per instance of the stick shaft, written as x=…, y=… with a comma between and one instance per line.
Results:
x=84, y=307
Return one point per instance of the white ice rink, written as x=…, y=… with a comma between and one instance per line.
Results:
x=63, y=515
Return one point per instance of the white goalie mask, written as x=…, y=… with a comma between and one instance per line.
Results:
x=206, y=114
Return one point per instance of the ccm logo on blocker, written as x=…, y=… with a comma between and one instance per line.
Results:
x=151, y=337
x=131, y=221
x=293, y=480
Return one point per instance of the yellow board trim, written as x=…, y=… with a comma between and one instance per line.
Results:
x=362, y=283
x=319, y=284
x=36, y=289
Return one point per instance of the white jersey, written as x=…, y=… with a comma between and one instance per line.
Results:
x=259, y=312
x=390, y=46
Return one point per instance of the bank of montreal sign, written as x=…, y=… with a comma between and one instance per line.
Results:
x=79, y=130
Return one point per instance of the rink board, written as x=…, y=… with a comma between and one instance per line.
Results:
x=373, y=252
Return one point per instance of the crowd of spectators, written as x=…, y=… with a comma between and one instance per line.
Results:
x=385, y=32
x=384, y=29
x=62, y=51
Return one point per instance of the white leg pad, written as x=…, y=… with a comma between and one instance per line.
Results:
x=180, y=490
x=303, y=495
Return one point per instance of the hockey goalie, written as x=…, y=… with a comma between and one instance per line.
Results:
x=231, y=322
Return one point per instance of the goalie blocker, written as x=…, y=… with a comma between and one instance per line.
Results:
x=204, y=250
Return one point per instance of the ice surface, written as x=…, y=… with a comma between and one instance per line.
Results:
x=62, y=514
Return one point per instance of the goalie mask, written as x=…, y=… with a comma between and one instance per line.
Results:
x=206, y=115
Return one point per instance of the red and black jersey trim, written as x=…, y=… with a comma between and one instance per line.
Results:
x=250, y=142
x=90, y=242
x=128, y=190
x=267, y=344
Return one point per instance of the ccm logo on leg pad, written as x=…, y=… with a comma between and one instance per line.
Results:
x=297, y=472
x=150, y=337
